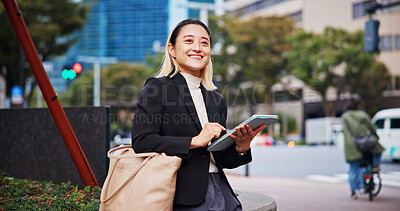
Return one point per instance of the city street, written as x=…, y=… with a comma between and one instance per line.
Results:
x=311, y=178
x=75, y=74
x=300, y=194
x=303, y=162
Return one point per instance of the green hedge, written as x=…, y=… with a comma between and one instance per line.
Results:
x=17, y=194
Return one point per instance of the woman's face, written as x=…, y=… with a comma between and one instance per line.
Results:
x=192, y=49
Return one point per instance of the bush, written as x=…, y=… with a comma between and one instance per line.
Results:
x=18, y=194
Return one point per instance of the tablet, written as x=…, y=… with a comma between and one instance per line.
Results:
x=254, y=121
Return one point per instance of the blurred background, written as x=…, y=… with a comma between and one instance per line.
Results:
x=299, y=59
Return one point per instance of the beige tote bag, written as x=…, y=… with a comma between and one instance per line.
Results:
x=143, y=181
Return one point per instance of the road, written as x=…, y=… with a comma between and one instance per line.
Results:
x=311, y=178
x=302, y=161
x=293, y=194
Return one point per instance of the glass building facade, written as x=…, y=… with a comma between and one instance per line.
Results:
x=127, y=29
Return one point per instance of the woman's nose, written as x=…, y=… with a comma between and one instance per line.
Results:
x=196, y=46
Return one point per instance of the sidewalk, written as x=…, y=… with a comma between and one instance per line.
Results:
x=300, y=194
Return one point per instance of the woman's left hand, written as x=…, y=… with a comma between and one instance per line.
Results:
x=244, y=137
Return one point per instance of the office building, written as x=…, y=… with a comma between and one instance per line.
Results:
x=315, y=15
x=129, y=29
x=126, y=29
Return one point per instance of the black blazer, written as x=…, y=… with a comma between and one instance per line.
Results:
x=166, y=121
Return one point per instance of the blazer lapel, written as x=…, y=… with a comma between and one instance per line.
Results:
x=180, y=84
x=213, y=112
x=211, y=107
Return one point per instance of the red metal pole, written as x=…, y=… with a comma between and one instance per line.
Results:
x=50, y=96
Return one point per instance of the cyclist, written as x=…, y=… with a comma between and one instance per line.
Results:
x=360, y=124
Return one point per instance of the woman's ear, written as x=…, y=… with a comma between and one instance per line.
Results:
x=171, y=50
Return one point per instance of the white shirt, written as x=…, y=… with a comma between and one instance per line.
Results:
x=193, y=83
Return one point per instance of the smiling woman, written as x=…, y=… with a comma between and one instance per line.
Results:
x=191, y=50
x=171, y=65
x=180, y=114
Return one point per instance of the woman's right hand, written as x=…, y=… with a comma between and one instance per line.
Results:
x=210, y=130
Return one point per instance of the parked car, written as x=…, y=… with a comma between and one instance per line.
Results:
x=387, y=124
x=324, y=131
x=121, y=139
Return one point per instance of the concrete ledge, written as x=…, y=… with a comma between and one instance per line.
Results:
x=256, y=202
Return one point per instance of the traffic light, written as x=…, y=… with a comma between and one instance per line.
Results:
x=371, y=36
x=77, y=68
x=70, y=73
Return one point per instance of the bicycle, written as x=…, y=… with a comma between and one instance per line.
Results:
x=372, y=179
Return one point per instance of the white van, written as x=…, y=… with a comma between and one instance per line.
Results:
x=387, y=124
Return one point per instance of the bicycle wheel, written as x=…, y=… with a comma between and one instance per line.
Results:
x=376, y=179
x=369, y=185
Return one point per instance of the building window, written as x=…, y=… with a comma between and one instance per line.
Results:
x=294, y=94
x=397, y=42
x=359, y=10
x=385, y=43
x=397, y=83
x=397, y=7
x=392, y=9
x=258, y=5
x=389, y=86
x=385, y=10
x=297, y=16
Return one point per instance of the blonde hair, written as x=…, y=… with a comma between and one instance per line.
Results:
x=169, y=63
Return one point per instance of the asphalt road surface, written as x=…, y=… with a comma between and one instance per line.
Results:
x=302, y=161
x=312, y=178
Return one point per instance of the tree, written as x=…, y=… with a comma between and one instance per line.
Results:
x=225, y=59
x=251, y=54
x=364, y=74
x=153, y=61
x=260, y=45
x=312, y=59
x=50, y=23
x=317, y=60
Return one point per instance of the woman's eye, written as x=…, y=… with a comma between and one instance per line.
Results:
x=204, y=43
x=189, y=41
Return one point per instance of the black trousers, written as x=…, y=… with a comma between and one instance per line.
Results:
x=218, y=197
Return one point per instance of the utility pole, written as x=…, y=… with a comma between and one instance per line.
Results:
x=371, y=34
x=61, y=120
x=97, y=61
x=373, y=6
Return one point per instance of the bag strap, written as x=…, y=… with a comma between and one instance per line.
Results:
x=106, y=183
x=351, y=132
x=128, y=148
x=348, y=126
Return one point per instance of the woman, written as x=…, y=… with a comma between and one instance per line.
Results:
x=179, y=113
x=358, y=122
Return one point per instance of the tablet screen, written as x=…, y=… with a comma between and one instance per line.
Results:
x=254, y=121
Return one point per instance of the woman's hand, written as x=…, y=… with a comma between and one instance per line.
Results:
x=210, y=130
x=244, y=136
